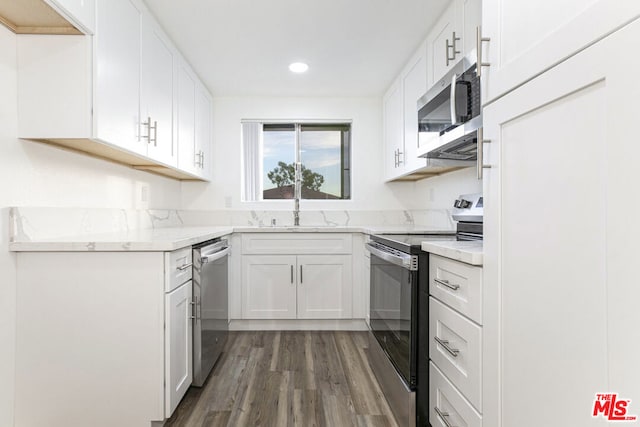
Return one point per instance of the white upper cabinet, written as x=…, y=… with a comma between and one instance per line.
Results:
x=452, y=37
x=203, y=131
x=117, y=79
x=401, y=118
x=116, y=95
x=82, y=13
x=393, y=130
x=157, y=93
x=529, y=37
x=194, y=117
x=186, y=118
x=440, y=54
x=414, y=85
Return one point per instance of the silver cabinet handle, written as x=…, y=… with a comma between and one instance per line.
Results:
x=479, y=40
x=447, y=284
x=300, y=274
x=292, y=273
x=480, y=166
x=451, y=46
x=445, y=344
x=148, y=135
x=395, y=158
x=201, y=159
x=443, y=416
x=400, y=153
x=184, y=266
x=194, y=303
x=155, y=133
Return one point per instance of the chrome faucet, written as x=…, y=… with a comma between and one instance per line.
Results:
x=297, y=191
x=296, y=213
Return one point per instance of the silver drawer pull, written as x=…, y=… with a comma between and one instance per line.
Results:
x=184, y=266
x=193, y=309
x=443, y=416
x=447, y=284
x=445, y=344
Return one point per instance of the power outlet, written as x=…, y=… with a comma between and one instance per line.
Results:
x=141, y=196
x=228, y=202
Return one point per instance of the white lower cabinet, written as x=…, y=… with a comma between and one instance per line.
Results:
x=455, y=343
x=324, y=287
x=296, y=287
x=455, y=346
x=447, y=406
x=102, y=338
x=178, y=342
x=268, y=287
x=292, y=276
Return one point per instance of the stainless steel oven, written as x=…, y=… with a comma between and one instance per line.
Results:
x=398, y=272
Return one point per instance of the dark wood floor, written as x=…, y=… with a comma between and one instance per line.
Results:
x=288, y=379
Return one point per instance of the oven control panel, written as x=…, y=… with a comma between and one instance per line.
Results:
x=468, y=208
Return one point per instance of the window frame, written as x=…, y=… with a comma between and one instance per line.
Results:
x=298, y=126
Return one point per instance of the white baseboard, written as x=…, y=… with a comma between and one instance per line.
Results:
x=299, y=325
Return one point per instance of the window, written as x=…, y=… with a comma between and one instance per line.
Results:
x=313, y=159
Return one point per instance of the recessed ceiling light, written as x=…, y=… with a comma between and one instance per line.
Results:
x=298, y=67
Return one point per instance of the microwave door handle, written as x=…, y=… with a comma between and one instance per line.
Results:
x=452, y=103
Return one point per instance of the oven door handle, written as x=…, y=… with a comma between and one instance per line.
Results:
x=405, y=261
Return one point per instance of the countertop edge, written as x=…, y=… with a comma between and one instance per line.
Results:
x=170, y=239
x=449, y=250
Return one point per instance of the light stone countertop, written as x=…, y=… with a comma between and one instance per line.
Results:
x=172, y=238
x=468, y=252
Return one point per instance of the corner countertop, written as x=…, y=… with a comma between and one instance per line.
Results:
x=172, y=238
x=467, y=252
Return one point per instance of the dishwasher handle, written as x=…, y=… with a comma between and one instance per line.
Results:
x=215, y=256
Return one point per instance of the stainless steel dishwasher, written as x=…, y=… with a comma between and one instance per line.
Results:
x=210, y=306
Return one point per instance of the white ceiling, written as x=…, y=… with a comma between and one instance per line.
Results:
x=244, y=47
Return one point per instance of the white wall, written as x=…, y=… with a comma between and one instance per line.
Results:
x=369, y=192
x=33, y=174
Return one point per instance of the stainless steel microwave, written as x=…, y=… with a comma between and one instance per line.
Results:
x=450, y=114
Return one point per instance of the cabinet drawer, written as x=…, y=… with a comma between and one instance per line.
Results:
x=296, y=243
x=457, y=284
x=455, y=345
x=177, y=268
x=451, y=404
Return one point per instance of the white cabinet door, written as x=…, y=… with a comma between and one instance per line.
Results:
x=117, y=75
x=203, y=131
x=439, y=40
x=269, y=287
x=178, y=342
x=186, y=118
x=530, y=37
x=324, y=287
x=414, y=85
x=393, y=130
x=156, y=96
x=469, y=18
x=560, y=280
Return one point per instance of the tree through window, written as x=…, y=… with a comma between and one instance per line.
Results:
x=323, y=153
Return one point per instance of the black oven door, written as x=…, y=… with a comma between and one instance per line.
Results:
x=393, y=313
